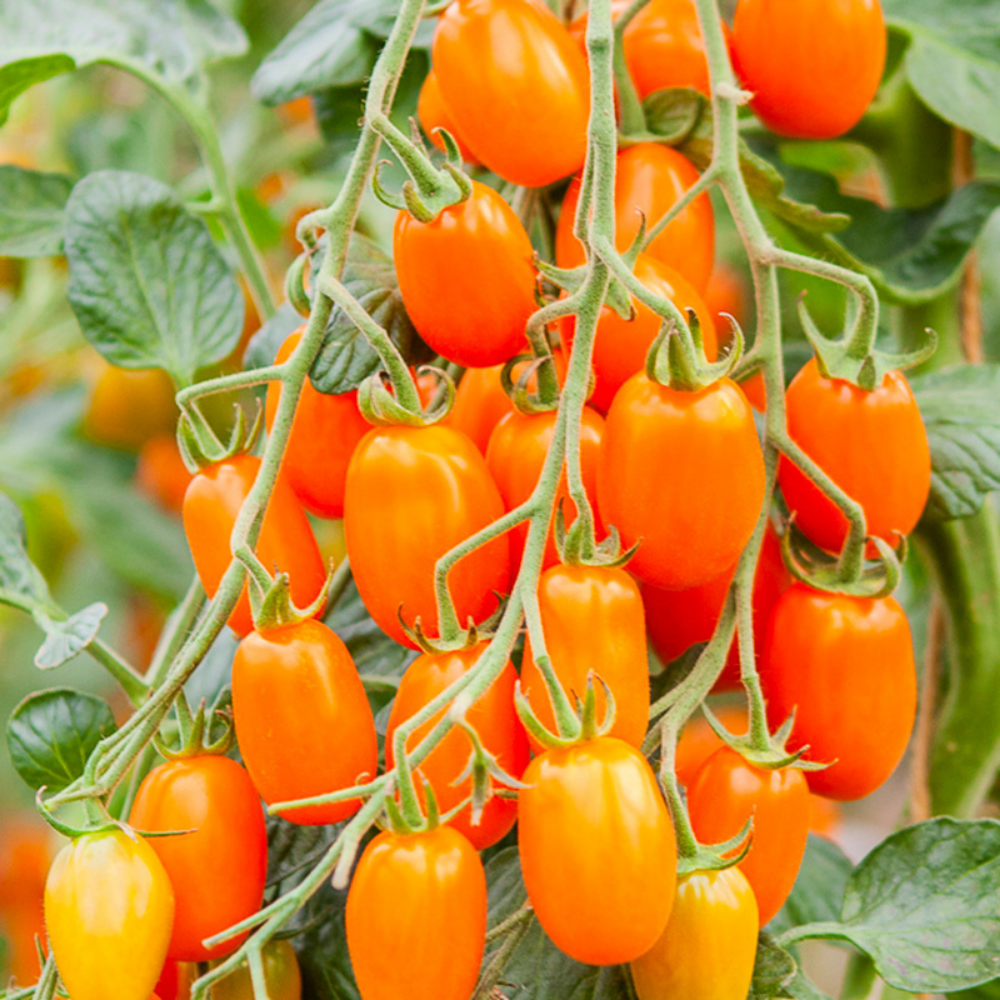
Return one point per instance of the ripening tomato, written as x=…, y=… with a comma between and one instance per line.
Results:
x=682, y=472
x=593, y=621
x=832, y=57
x=128, y=406
x=844, y=665
x=678, y=619
x=726, y=792
x=493, y=717
x=302, y=719
x=416, y=917
x=649, y=179
x=281, y=974
x=597, y=850
x=211, y=505
x=161, y=473
x=480, y=403
x=698, y=740
x=708, y=950
x=325, y=432
x=517, y=87
x=109, y=908
x=872, y=444
x=413, y=494
x=218, y=870
x=467, y=278
x=433, y=114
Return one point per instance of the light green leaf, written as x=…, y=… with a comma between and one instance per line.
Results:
x=64, y=639
x=31, y=212
x=18, y=574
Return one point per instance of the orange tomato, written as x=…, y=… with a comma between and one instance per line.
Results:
x=698, y=740
x=161, y=473
x=480, y=403
x=433, y=114
x=128, y=406
x=25, y=855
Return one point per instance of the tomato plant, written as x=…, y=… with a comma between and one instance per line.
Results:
x=281, y=974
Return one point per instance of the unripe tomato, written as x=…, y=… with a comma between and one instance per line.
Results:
x=433, y=114
x=708, y=950
x=593, y=621
x=416, y=917
x=872, y=444
x=493, y=717
x=678, y=619
x=129, y=406
x=286, y=541
x=598, y=852
x=219, y=869
x=516, y=454
x=516, y=86
x=413, y=494
x=467, y=278
x=682, y=472
x=649, y=179
x=325, y=432
x=831, y=62
x=726, y=792
x=844, y=665
x=281, y=974
x=302, y=719
x=109, y=908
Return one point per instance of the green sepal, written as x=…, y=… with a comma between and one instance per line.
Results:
x=380, y=407
x=590, y=728
x=274, y=608
x=195, y=738
x=385, y=196
x=572, y=549
x=774, y=757
x=484, y=769
x=718, y=857
x=295, y=288
x=200, y=446
x=68, y=830
x=678, y=361
x=524, y=401
x=531, y=722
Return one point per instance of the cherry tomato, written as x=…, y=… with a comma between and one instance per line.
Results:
x=593, y=621
x=872, y=444
x=161, y=473
x=127, y=407
x=597, y=848
x=302, y=718
x=844, y=665
x=726, y=792
x=516, y=454
x=832, y=57
x=217, y=871
x=682, y=472
x=416, y=917
x=480, y=403
x=649, y=179
x=109, y=909
x=493, y=717
x=325, y=432
x=281, y=973
x=708, y=950
x=698, y=740
x=678, y=619
x=211, y=505
x=413, y=494
x=25, y=857
x=433, y=114
x=467, y=278
x=516, y=86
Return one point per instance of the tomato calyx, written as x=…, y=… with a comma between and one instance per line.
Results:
x=271, y=600
x=525, y=401
x=772, y=756
x=695, y=857
x=579, y=726
x=195, y=729
x=677, y=357
x=576, y=545
x=381, y=407
x=483, y=767
x=676, y=110
x=200, y=446
x=472, y=635
x=570, y=280
x=98, y=820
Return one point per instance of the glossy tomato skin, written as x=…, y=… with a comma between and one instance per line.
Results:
x=281, y=973
x=516, y=454
x=872, y=444
x=413, y=494
x=593, y=621
x=683, y=472
x=325, y=431
x=302, y=718
x=217, y=871
x=433, y=114
x=832, y=57
x=726, y=792
x=598, y=852
x=416, y=917
x=493, y=717
x=708, y=949
x=698, y=741
x=845, y=666
x=517, y=87
x=211, y=505
x=109, y=908
x=480, y=404
x=467, y=278
x=650, y=178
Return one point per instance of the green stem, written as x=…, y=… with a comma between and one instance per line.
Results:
x=134, y=685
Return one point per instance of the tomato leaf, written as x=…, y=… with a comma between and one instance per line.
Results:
x=264, y=344
x=819, y=889
x=147, y=284
x=52, y=733
x=961, y=410
x=19, y=578
x=31, y=212
x=64, y=639
x=989, y=991
x=773, y=968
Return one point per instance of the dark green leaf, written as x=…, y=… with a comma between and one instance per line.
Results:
x=961, y=411
x=63, y=640
x=673, y=114
x=52, y=733
x=31, y=212
x=147, y=284
x=819, y=889
x=18, y=575
x=773, y=969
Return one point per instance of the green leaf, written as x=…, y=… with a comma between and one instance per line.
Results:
x=989, y=991
x=819, y=889
x=346, y=358
x=264, y=344
x=773, y=969
x=18, y=574
x=961, y=411
x=52, y=733
x=18, y=76
x=64, y=639
x=31, y=212
x=147, y=284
